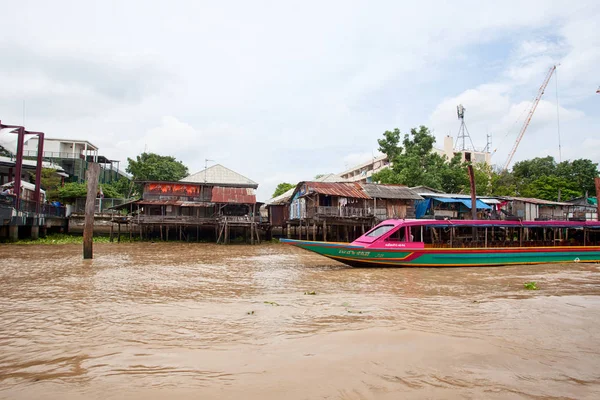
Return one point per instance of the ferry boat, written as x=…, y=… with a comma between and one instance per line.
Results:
x=465, y=243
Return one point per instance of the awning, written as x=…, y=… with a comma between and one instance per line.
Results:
x=467, y=202
x=490, y=201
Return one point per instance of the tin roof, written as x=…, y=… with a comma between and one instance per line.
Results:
x=425, y=190
x=343, y=189
x=219, y=175
x=390, y=191
x=331, y=178
x=233, y=195
x=282, y=198
x=537, y=201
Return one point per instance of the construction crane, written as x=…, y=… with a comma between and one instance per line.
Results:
x=529, y=115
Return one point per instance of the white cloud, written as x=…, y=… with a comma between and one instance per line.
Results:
x=289, y=90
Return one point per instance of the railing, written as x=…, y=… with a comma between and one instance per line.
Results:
x=53, y=154
x=28, y=206
x=101, y=205
x=155, y=219
x=327, y=211
x=550, y=217
x=244, y=218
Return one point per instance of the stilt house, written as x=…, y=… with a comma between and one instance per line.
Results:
x=213, y=202
x=345, y=210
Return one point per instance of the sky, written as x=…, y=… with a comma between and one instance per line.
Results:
x=281, y=91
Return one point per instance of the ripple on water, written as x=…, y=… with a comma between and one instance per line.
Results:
x=238, y=321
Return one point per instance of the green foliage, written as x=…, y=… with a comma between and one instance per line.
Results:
x=414, y=163
x=503, y=183
x=282, y=188
x=543, y=178
x=4, y=152
x=530, y=286
x=71, y=191
x=154, y=167
x=124, y=187
x=61, y=238
x=483, y=179
x=50, y=182
x=389, y=144
x=317, y=176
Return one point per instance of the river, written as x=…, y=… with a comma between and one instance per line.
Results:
x=201, y=321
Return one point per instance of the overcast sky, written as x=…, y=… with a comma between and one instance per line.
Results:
x=284, y=90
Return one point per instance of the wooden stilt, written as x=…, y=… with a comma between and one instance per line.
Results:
x=314, y=229
x=324, y=230
x=111, y=231
x=119, y=238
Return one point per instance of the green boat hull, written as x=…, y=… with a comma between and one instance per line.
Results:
x=357, y=256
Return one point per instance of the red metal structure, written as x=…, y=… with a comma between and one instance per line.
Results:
x=529, y=116
x=21, y=132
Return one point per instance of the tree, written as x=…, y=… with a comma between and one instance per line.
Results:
x=543, y=178
x=581, y=172
x=282, y=188
x=154, y=167
x=124, y=187
x=414, y=163
x=483, y=179
x=503, y=183
x=389, y=144
x=50, y=182
x=73, y=190
x=548, y=188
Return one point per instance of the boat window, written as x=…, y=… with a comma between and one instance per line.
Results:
x=380, y=230
x=415, y=234
x=397, y=236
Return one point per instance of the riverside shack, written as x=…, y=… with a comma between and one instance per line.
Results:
x=216, y=202
x=345, y=210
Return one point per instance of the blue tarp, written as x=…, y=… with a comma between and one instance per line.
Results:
x=421, y=207
x=467, y=202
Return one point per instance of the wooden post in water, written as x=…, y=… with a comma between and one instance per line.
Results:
x=597, y=180
x=473, y=199
x=90, y=205
x=473, y=193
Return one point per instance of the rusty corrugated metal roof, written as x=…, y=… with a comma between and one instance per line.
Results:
x=343, y=189
x=233, y=195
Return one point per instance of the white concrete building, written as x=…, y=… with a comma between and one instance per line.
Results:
x=363, y=172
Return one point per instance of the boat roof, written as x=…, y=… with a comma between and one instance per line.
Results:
x=490, y=223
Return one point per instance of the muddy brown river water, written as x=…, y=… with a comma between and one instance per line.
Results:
x=200, y=321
